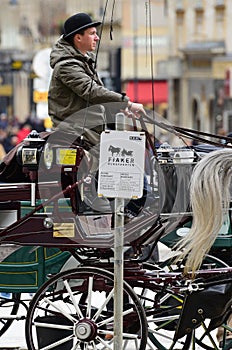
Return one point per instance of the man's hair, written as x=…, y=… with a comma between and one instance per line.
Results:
x=82, y=32
x=70, y=39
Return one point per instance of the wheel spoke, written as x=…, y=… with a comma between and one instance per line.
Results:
x=103, y=305
x=111, y=319
x=165, y=318
x=66, y=314
x=89, y=304
x=52, y=325
x=103, y=342
x=130, y=335
x=78, y=310
x=103, y=331
x=92, y=344
x=76, y=346
x=59, y=342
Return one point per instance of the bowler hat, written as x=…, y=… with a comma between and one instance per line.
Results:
x=78, y=22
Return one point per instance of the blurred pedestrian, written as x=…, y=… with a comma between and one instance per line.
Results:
x=23, y=132
x=2, y=152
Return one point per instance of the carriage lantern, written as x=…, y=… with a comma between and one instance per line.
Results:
x=28, y=155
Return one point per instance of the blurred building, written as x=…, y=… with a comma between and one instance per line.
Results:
x=125, y=56
x=199, y=64
x=172, y=55
x=25, y=27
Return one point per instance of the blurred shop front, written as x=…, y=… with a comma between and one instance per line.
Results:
x=198, y=84
x=149, y=93
x=15, y=83
x=222, y=72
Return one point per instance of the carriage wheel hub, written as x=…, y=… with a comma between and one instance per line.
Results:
x=86, y=330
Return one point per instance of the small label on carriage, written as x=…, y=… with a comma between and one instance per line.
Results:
x=64, y=229
x=121, y=168
x=29, y=156
x=66, y=156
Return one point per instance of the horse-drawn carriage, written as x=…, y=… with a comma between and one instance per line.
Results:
x=57, y=239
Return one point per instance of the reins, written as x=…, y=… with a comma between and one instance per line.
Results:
x=190, y=133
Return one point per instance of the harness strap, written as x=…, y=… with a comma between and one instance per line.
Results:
x=191, y=133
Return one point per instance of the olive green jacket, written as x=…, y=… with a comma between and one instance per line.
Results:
x=75, y=84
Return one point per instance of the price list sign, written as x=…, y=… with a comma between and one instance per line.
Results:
x=121, y=167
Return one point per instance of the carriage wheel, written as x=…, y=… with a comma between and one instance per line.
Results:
x=163, y=316
x=162, y=322
x=74, y=310
x=8, y=307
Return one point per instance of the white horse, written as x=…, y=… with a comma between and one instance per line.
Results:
x=210, y=200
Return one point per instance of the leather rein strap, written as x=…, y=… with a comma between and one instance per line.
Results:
x=191, y=133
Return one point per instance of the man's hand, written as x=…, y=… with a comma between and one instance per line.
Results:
x=135, y=108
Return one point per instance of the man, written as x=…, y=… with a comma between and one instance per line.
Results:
x=75, y=84
x=77, y=96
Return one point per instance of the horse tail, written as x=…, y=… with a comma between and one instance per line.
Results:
x=210, y=200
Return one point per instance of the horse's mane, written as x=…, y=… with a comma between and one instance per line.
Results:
x=210, y=199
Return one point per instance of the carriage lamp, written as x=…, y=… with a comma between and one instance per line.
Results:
x=28, y=155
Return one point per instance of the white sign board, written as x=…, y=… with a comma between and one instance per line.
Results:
x=121, y=168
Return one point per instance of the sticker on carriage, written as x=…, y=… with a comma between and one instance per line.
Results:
x=66, y=156
x=121, y=166
x=64, y=229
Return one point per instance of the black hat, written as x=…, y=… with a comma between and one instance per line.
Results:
x=78, y=22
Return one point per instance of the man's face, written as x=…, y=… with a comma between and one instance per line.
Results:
x=87, y=41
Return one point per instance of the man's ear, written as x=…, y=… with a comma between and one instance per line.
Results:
x=78, y=37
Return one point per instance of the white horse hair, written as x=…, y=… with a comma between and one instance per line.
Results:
x=210, y=200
